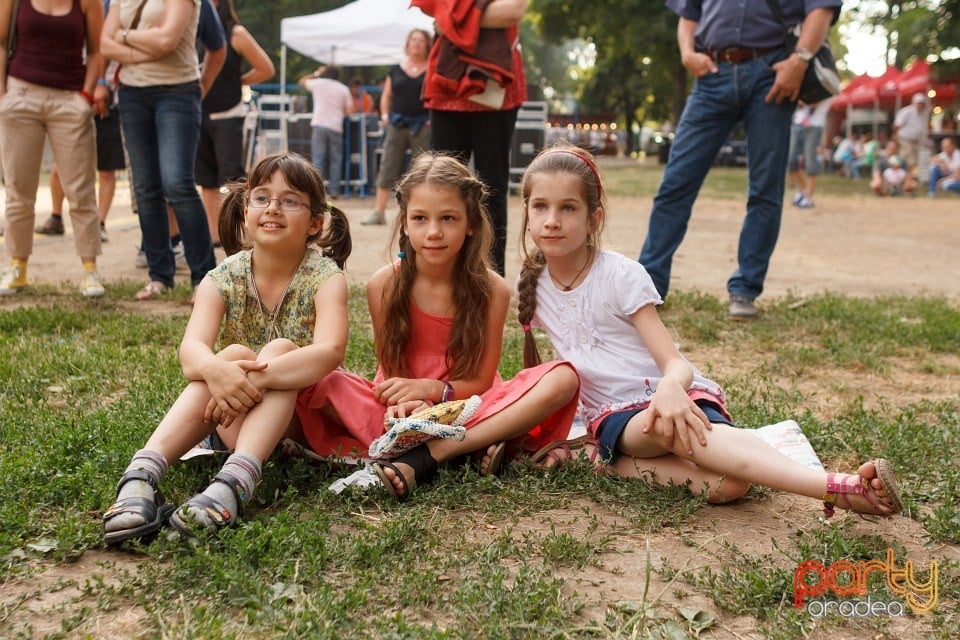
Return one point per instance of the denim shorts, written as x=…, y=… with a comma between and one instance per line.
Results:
x=610, y=429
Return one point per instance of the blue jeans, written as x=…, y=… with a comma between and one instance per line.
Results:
x=161, y=126
x=326, y=148
x=718, y=102
x=936, y=174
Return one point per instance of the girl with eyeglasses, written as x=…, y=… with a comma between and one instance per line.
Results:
x=278, y=307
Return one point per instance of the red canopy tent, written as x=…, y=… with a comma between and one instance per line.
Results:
x=866, y=91
x=916, y=79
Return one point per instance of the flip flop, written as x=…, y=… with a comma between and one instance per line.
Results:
x=561, y=451
x=151, y=290
x=496, y=460
x=155, y=511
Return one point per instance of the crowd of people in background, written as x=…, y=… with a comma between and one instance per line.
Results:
x=893, y=160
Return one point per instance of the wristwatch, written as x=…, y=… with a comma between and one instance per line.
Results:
x=804, y=54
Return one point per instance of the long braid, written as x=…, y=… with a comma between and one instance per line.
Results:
x=533, y=265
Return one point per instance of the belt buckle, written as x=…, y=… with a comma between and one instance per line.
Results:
x=727, y=55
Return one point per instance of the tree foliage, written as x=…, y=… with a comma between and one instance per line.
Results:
x=637, y=70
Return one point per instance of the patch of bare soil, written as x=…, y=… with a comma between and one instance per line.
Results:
x=39, y=604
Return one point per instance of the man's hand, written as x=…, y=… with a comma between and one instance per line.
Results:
x=790, y=73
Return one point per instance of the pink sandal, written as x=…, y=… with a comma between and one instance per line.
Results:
x=151, y=290
x=841, y=485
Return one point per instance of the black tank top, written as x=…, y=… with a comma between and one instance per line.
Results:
x=226, y=90
x=50, y=48
x=406, y=93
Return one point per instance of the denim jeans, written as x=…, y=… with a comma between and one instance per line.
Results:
x=161, y=127
x=326, y=149
x=718, y=102
x=936, y=174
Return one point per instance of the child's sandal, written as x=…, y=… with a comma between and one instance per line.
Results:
x=841, y=485
x=419, y=459
x=563, y=452
x=154, y=511
x=218, y=514
x=496, y=460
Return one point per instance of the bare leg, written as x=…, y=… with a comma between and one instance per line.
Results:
x=735, y=453
x=211, y=203
x=551, y=393
x=108, y=187
x=380, y=201
x=56, y=191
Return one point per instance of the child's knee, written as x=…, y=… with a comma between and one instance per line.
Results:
x=276, y=348
x=566, y=380
x=237, y=352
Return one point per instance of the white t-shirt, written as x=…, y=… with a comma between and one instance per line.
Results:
x=911, y=124
x=331, y=102
x=590, y=327
x=952, y=161
x=818, y=117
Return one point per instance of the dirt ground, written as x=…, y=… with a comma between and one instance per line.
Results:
x=859, y=245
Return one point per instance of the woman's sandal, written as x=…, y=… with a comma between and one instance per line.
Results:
x=841, y=485
x=155, y=511
x=219, y=515
x=151, y=290
x=419, y=459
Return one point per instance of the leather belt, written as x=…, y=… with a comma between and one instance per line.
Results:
x=736, y=55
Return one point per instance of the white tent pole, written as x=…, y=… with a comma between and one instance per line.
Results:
x=283, y=97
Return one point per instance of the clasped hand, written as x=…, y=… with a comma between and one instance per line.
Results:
x=674, y=416
x=231, y=390
x=404, y=396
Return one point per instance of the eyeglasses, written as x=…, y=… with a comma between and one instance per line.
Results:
x=262, y=201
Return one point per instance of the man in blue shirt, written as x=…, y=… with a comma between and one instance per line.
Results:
x=744, y=73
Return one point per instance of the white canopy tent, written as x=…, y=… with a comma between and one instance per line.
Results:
x=360, y=34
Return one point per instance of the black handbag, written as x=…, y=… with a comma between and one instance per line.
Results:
x=821, y=79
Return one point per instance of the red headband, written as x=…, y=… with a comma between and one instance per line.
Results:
x=587, y=161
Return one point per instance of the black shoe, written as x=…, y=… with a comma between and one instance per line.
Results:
x=52, y=227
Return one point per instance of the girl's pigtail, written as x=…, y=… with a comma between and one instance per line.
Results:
x=527, y=304
x=335, y=241
x=230, y=224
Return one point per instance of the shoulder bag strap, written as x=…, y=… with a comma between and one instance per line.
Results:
x=777, y=12
x=136, y=17
x=12, y=32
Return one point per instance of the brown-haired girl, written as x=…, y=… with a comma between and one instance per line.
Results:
x=438, y=316
x=278, y=307
x=652, y=413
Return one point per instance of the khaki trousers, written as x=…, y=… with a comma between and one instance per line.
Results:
x=28, y=114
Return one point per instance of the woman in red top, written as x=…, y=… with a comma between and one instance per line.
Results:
x=46, y=91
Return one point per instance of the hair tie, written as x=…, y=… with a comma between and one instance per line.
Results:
x=526, y=328
x=402, y=255
x=328, y=206
x=586, y=160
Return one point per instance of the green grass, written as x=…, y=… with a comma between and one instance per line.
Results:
x=641, y=178
x=466, y=557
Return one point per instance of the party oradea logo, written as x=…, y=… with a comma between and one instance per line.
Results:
x=843, y=588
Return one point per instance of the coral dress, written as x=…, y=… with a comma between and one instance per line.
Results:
x=362, y=415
